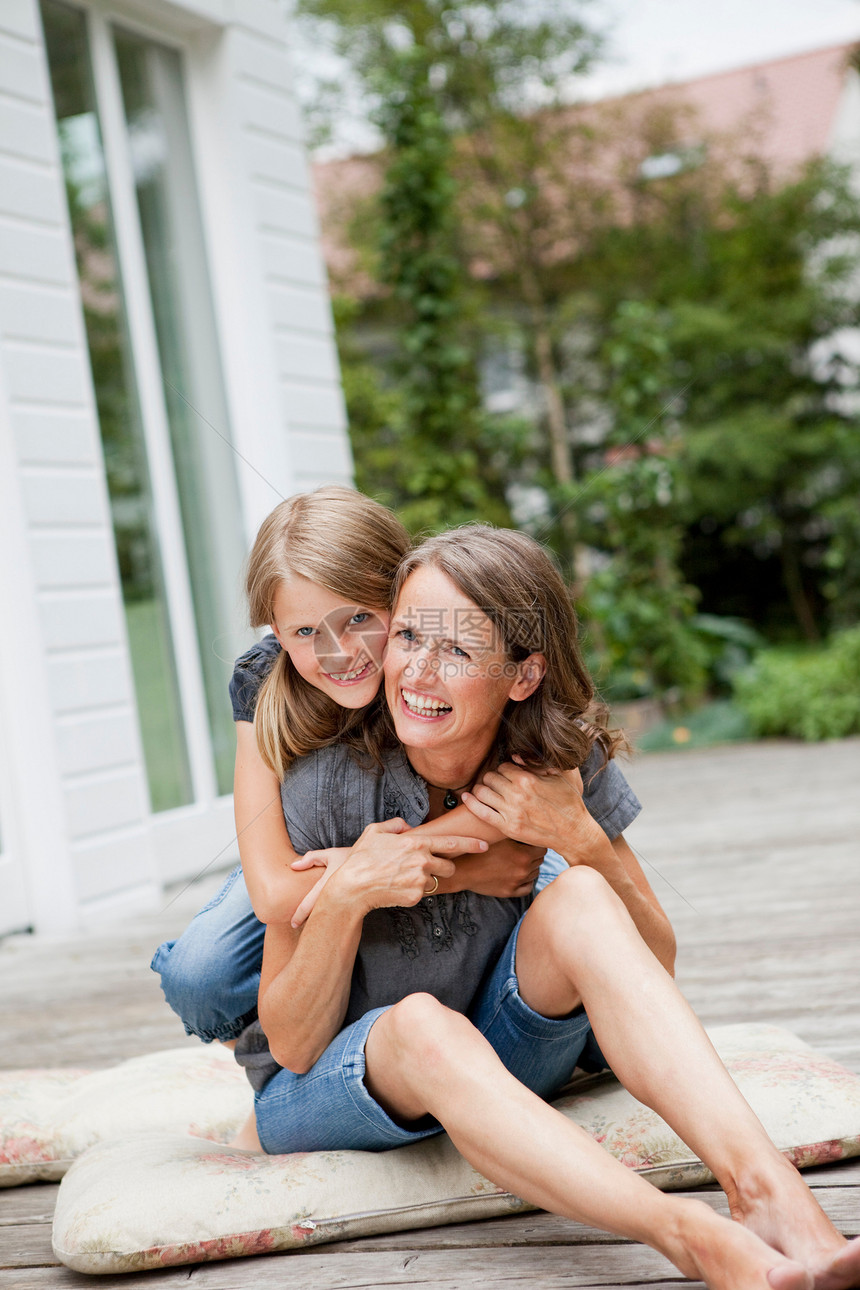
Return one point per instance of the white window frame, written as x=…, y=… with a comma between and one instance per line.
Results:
x=101, y=20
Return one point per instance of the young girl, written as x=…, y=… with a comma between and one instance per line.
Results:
x=320, y=573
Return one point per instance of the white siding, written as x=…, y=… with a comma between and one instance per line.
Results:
x=84, y=834
x=281, y=364
x=68, y=539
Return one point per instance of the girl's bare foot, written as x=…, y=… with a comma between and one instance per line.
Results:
x=780, y=1208
x=247, y=1138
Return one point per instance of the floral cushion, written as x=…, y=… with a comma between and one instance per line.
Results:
x=157, y=1200
x=47, y=1118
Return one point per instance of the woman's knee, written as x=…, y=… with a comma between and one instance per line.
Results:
x=420, y=1029
x=580, y=900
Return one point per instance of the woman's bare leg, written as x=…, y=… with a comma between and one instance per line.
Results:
x=578, y=945
x=422, y=1057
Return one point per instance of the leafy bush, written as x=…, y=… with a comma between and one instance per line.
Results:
x=810, y=695
x=720, y=722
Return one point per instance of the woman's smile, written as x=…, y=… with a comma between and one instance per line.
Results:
x=425, y=707
x=447, y=677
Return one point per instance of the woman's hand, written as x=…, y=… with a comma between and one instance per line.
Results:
x=507, y=869
x=390, y=864
x=542, y=808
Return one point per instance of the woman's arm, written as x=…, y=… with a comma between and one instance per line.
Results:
x=548, y=809
x=307, y=972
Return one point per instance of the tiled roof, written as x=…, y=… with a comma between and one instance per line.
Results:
x=782, y=112
x=790, y=102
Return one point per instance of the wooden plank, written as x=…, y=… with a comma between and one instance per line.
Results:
x=26, y=1245
x=31, y=1204
x=270, y=1273
x=547, y=1267
x=51, y=1278
x=845, y=1173
x=526, y=1229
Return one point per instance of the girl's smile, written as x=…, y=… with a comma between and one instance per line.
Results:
x=335, y=646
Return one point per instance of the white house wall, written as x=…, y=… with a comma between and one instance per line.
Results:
x=287, y=420
x=85, y=770
x=266, y=257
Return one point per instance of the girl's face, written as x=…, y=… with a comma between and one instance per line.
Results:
x=334, y=645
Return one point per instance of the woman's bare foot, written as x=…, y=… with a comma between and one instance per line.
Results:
x=780, y=1208
x=247, y=1137
x=727, y=1256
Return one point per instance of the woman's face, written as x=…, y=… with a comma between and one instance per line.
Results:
x=447, y=677
x=335, y=646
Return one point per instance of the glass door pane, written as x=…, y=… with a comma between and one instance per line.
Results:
x=137, y=543
x=160, y=148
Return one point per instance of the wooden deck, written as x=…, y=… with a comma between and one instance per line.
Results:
x=754, y=852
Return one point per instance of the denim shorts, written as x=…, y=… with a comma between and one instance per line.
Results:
x=211, y=975
x=330, y=1109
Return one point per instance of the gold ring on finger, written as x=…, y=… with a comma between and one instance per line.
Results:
x=431, y=891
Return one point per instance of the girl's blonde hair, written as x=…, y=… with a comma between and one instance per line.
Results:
x=512, y=578
x=352, y=546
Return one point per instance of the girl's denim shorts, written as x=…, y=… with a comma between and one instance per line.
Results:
x=330, y=1108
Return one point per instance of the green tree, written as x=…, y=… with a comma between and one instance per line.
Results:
x=446, y=85
x=543, y=220
x=758, y=282
x=643, y=608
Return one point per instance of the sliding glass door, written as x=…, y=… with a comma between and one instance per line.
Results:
x=140, y=247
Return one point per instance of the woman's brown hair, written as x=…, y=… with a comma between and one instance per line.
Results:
x=512, y=579
x=352, y=546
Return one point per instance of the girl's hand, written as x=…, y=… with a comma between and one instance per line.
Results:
x=540, y=808
x=507, y=869
x=390, y=865
x=327, y=858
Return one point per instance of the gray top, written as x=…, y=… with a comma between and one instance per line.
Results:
x=446, y=944
x=249, y=672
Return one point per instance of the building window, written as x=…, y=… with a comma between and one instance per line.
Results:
x=126, y=153
x=172, y=232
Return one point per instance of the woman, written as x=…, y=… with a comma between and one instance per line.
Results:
x=370, y=1036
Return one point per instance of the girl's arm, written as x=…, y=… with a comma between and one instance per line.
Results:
x=507, y=869
x=548, y=809
x=264, y=844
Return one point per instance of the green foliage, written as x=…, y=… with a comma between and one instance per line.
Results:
x=442, y=418
x=812, y=695
x=644, y=609
x=730, y=644
x=393, y=465
x=693, y=424
x=720, y=722
x=434, y=75
x=498, y=54
x=754, y=283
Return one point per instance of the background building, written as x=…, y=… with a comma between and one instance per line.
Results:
x=167, y=373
